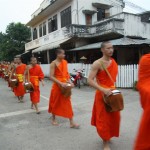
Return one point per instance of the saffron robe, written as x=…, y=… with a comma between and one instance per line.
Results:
x=20, y=70
x=143, y=138
x=36, y=74
x=60, y=105
x=106, y=123
x=3, y=67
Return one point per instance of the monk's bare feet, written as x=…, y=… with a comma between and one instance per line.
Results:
x=54, y=123
x=74, y=126
x=32, y=107
x=38, y=112
x=106, y=145
x=21, y=99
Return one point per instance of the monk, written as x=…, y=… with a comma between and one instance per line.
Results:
x=143, y=138
x=3, y=69
x=0, y=69
x=12, y=68
x=59, y=104
x=35, y=75
x=106, y=123
x=19, y=71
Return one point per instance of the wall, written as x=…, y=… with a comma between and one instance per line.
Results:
x=117, y=8
x=43, y=5
x=133, y=26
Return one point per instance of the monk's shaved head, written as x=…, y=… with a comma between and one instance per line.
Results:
x=59, y=51
x=107, y=48
x=105, y=43
x=32, y=58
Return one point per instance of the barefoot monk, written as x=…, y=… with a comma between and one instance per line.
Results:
x=106, y=123
x=19, y=71
x=35, y=75
x=60, y=105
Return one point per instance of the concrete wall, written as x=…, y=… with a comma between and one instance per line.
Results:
x=133, y=26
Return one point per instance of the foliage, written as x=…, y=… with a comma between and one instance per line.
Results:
x=13, y=41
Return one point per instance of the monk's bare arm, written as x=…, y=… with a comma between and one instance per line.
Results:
x=92, y=75
x=95, y=68
x=26, y=73
x=52, y=71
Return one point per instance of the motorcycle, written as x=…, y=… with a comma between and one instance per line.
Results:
x=77, y=78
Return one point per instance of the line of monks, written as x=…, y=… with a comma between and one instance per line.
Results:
x=106, y=123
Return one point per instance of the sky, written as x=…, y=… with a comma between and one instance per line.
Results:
x=21, y=10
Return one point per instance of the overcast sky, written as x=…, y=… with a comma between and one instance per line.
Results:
x=21, y=10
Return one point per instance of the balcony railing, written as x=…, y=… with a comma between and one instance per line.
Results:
x=115, y=26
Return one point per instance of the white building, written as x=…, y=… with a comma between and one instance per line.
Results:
x=75, y=23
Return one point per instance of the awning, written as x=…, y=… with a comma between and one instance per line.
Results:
x=118, y=42
x=50, y=46
x=22, y=54
x=89, y=12
x=102, y=5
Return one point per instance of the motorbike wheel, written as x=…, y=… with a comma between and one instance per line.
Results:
x=79, y=83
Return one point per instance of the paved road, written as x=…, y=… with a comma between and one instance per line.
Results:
x=22, y=129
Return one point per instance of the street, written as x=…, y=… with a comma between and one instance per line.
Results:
x=22, y=129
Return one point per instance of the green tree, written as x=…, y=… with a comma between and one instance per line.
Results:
x=13, y=41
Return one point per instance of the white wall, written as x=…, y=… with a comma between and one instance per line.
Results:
x=133, y=25
x=43, y=5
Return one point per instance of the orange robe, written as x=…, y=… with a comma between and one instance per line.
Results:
x=143, y=138
x=2, y=67
x=36, y=74
x=60, y=105
x=0, y=70
x=19, y=90
x=107, y=124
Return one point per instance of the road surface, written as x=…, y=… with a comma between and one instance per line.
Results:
x=22, y=129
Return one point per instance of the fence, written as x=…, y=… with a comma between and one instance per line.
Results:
x=127, y=74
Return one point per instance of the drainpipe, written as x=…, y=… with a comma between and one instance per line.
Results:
x=77, y=12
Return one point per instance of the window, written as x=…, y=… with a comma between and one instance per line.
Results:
x=40, y=31
x=54, y=23
x=50, y=25
x=100, y=14
x=34, y=34
x=66, y=17
x=44, y=28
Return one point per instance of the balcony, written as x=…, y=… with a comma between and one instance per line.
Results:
x=54, y=38
x=111, y=26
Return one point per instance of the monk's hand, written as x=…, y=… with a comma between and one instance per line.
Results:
x=107, y=92
x=64, y=85
x=43, y=83
x=72, y=85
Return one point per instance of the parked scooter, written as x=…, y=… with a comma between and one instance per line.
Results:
x=77, y=78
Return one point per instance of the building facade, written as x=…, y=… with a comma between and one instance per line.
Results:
x=75, y=23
